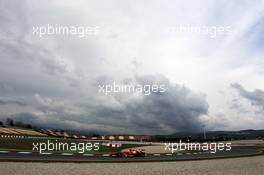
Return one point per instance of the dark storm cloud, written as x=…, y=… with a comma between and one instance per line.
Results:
x=177, y=109
x=256, y=97
x=5, y=102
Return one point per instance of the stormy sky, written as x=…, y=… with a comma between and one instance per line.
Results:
x=212, y=80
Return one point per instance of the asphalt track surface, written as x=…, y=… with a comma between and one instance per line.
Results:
x=26, y=156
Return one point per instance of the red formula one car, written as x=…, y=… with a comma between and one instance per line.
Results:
x=130, y=153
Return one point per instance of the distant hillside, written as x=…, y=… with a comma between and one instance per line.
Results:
x=213, y=135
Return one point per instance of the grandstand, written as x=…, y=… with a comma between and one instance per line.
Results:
x=20, y=132
x=15, y=132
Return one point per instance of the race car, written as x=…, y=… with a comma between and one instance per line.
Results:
x=134, y=153
x=130, y=153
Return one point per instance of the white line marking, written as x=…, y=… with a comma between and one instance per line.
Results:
x=88, y=154
x=24, y=152
x=156, y=154
x=168, y=154
x=179, y=154
x=187, y=153
x=106, y=155
x=4, y=151
x=67, y=154
x=46, y=153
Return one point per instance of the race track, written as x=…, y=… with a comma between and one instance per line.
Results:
x=27, y=156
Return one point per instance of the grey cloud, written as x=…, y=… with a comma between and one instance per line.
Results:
x=238, y=107
x=177, y=109
x=30, y=66
x=256, y=97
x=5, y=102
